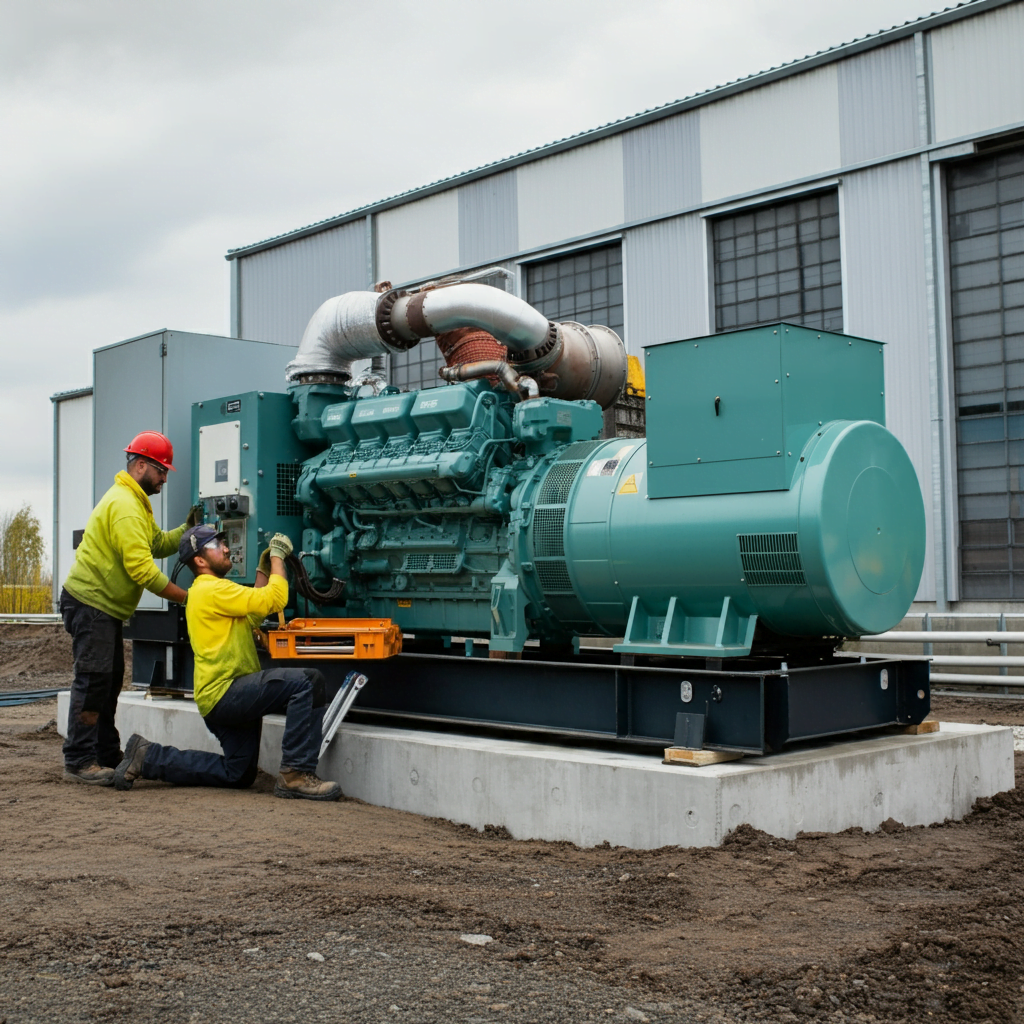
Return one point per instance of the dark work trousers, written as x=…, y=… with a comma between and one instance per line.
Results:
x=237, y=722
x=96, y=642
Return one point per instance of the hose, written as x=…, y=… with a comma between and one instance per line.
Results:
x=304, y=585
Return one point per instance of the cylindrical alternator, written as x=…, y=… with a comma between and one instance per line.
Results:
x=840, y=553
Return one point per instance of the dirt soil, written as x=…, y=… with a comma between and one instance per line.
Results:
x=38, y=657
x=166, y=904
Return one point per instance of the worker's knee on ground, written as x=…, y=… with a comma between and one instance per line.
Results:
x=246, y=778
x=319, y=684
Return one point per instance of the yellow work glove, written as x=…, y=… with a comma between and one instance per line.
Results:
x=264, y=566
x=280, y=546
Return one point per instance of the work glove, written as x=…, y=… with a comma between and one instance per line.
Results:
x=195, y=516
x=264, y=566
x=280, y=546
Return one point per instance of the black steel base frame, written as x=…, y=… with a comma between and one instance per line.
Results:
x=754, y=711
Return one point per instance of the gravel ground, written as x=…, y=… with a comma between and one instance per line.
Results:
x=166, y=904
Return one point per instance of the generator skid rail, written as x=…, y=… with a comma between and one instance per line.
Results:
x=332, y=639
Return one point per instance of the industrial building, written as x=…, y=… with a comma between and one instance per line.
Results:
x=876, y=188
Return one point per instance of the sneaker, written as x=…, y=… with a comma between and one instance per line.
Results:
x=90, y=774
x=130, y=767
x=305, y=786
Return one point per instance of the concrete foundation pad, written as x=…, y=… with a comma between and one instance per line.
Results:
x=543, y=791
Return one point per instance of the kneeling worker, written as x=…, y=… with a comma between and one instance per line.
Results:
x=231, y=692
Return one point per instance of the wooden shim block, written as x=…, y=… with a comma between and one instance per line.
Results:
x=698, y=758
x=928, y=725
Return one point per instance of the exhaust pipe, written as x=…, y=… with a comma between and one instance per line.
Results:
x=567, y=360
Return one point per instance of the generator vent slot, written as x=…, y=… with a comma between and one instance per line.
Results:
x=771, y=560
x=558, y=483
x=579, y=450
x=548, y=525
x=287, y=479
x=554, y=577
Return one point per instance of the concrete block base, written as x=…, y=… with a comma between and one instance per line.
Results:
x=542, y=791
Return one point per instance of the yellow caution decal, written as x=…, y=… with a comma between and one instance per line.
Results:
x=629, y=484
x=404, y=603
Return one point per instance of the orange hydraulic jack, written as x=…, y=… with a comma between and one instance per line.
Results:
x=332, y=639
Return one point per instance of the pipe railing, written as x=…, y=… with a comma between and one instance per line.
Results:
x=999, y=637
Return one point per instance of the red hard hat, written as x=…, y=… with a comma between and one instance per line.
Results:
x=154, y=446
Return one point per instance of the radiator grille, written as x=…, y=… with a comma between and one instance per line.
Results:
x=287, y=478
x=548, y=524
x=431, y=562
x=771, y=560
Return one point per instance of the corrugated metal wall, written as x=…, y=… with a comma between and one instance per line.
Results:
x=772, y=135
x=571, y=194
x=878, y=103
x=488, y=219
x=281, y=288
x=419, y=239
x=661, y=166
x=666, y=285
x=886, y=296
x=978, y=73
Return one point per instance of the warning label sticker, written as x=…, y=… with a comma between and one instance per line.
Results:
x=631, y=484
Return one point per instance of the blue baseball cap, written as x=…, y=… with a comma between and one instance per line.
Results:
x=195, y=538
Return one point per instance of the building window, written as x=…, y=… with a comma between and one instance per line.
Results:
x=986, y=258
x=780, y=263
x=583, y=286
x=417, y=368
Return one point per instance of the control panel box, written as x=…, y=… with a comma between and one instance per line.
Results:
x=246, y=461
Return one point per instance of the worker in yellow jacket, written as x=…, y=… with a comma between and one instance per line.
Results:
x=231, y=691
x=114, y=563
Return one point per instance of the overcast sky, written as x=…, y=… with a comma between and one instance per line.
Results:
x=141, y=141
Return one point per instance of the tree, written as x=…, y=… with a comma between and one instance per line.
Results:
x=23, y=584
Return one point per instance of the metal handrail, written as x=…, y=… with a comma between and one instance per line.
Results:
x=993, y=637
x=30, y=618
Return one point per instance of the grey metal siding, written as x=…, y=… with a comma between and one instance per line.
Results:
x=878, y=103
x=661, y=166
x=884, y=268
x=770, y=136
x=977, y=73
x=420, y=239
x=488, y=219
x=572, y=194
x=280, y=289
x=666, y=283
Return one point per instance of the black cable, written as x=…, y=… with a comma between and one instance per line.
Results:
x=304, y=585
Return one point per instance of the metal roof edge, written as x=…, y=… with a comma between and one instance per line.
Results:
x=60, y=396
x=884, y=37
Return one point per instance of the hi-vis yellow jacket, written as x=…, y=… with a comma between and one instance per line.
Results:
x=114, y=563
x=221, y=616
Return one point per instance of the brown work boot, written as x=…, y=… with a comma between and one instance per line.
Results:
x=304, y=786
x=130, y=767
x=90, y=774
